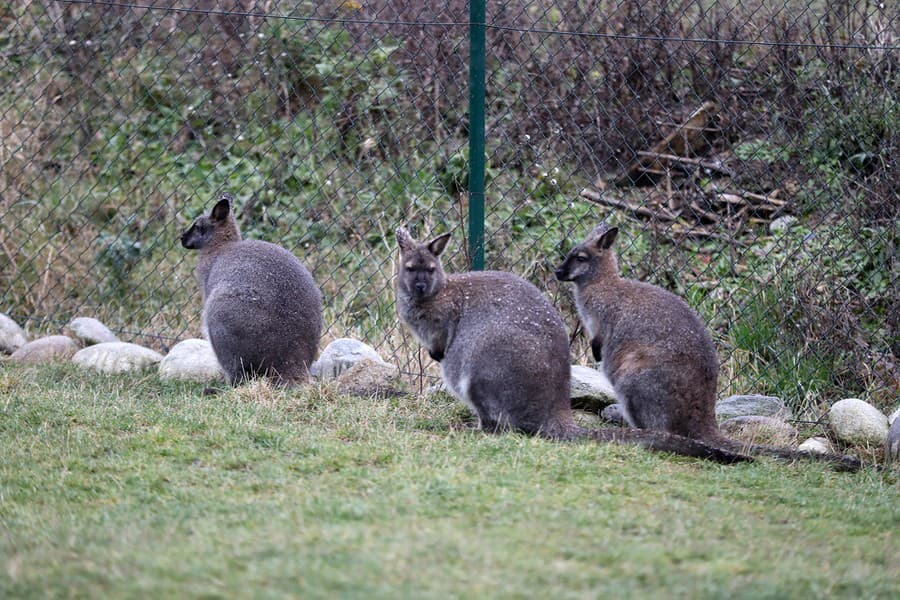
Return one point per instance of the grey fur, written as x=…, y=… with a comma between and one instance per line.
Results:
x=262, y=311
x=655, y=350
x=503, y=349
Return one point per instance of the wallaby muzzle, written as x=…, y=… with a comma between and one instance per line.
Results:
x=562, y=274
x=186, y=240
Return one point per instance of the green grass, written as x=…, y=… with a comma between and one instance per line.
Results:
x=130, y=487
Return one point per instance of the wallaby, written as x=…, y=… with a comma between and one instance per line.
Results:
x=655, y=350
x=262, y=311
x=504, y=351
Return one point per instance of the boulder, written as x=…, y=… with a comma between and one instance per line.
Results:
x=371, y=378
x=91, y=331
x=858, y=423
x=340, y=355
x=12, y=337
x=191, y=360
x=46, y=349
x=782, y=223
x=590, y=389
x=116, y=357
x=767, y=431
x=749, y=405
x=818, y=445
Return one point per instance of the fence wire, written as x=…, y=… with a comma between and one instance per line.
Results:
x=747, y=151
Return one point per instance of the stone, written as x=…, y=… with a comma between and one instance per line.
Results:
x=340, y=355
x=613, y=414
x=892, y=446
x=46, y=349
x=858, y=423
x=756, y=429
x=590, y=389
x=371, y=378
x=191, y=360
x=116, y=357
x=91, y=331
x=12, y=337
x=782, y=223
x=749, y=405
x=818, y=445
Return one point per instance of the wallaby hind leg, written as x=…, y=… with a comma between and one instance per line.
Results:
x=643, y=407
x=289, y=375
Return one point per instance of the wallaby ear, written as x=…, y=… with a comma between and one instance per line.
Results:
x=606, y=240
x=222, y=208
x=404, y=239
x=437, y=245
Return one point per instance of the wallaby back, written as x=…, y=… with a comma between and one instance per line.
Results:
x=262, y=311
x=504, y=350
x=654, y=348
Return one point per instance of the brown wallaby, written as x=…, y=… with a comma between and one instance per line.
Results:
x=262, y=311
x=655, y=350
x=504, y=351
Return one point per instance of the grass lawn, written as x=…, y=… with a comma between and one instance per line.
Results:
x=127, y=486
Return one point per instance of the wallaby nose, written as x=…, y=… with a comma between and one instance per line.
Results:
x=420, y=286
x=560, y=274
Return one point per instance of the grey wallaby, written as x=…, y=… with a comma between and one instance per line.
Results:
x=504, y=351
x=655, y=350
x=262, y=311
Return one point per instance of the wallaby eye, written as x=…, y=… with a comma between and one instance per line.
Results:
x=581, y=258
x=430, y=269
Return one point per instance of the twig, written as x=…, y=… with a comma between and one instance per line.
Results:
x=770, y=199
x=703, y=233
x=690, y=161
x=773, y=206
x=641, y=211
x=711, y=217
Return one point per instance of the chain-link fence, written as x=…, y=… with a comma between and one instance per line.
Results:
x=747, y=150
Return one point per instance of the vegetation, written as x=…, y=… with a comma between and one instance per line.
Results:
x=119, y=125
x=130, y=486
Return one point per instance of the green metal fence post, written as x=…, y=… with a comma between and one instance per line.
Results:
x=476, y=132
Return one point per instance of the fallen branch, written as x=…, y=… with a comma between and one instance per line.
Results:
x=641, y=211
x=718, y=168
x=678, y=142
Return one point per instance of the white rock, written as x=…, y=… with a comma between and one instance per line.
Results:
x=858, y=423
x=592, y=384
x=46, y=349
x=819, y=445
x=751, y=405
x=768, y=431
x=782, y=223
x=116, y=357
x=91, y=331
x=12, y=337
x=371, y=378
x=191, y=360
x=340, y=355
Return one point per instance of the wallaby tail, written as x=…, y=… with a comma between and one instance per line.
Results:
x=661, y=441
x=837, y=461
